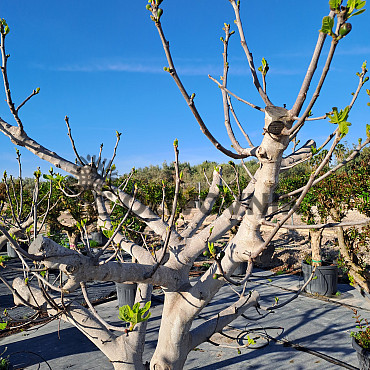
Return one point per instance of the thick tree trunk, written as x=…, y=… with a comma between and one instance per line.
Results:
x=316, y=239
x=173, y=338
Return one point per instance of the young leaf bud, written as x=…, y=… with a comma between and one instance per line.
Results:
x=148, y=7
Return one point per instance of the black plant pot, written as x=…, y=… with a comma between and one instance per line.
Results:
x=324, y=282
x=126, y=293
x=10, y=251
x=363, y=355
x=241, y=269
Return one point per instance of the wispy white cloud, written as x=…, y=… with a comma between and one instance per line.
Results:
x=185, y=67
x=354, y=50
x=109, y=67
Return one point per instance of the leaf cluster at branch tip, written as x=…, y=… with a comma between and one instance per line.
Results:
x=340, y=118
x=135, y=314
x=4, y=26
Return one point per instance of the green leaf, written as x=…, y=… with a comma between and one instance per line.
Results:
x=354, y=4
x=327, y=25
x=337, y=117
x=135, y=307
x=48, y=177
x=124, y=313
x=264, y=68
x=3, y=325
x=146, y=307
x=211, y=248
x=357, y=13
x=134, y=315
x=360, y=4
x=368, y=131
x=250, y=340
x=343, y=128
x=334, y=4
x=108, y=233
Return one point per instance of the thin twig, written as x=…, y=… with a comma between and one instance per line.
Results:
x=238, y=123
x=248, y=53
x=310, y=72
x=235, y=96
x=316, y=94
x=171, y=221
x=6, y=81
x=95, y=313
x=66, y=119
x=190, y=99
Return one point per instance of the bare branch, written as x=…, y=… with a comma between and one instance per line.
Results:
x=316, y=94
x=171, y=221
x=238, y=123
x=4, y=58
x=66, y=119
x=236, y=96
x=302, y=154
x=95, y=313
x=34, y=92
x=248, y=54
x=310, y=72
x=190, y=99
x=206, y=207
x=118, y=135
x=118, y=228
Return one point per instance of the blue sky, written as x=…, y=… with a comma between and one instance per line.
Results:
x=101, y=63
